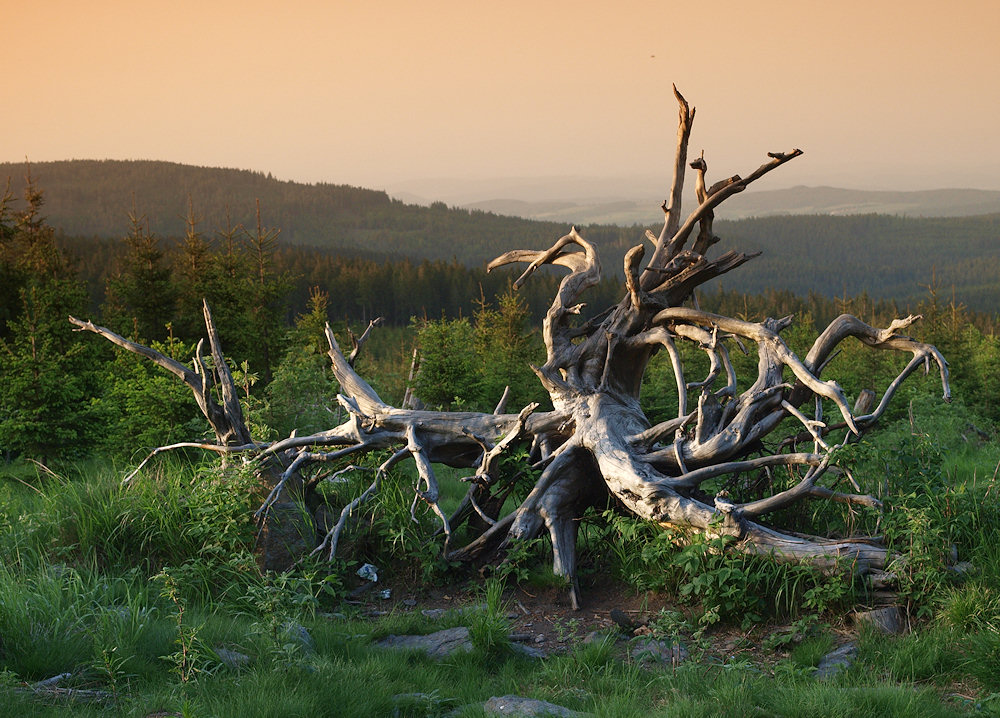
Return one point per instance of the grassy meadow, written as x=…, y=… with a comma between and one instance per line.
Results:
x=141, y=593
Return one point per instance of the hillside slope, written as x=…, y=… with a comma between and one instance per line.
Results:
x=889, y=257
x=95, y=197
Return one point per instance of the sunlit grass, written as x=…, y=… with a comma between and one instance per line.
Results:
x=87, y=560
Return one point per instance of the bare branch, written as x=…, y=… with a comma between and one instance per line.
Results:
x=352, y=384
x=332, y=538
x=672, y=205
x=667, y=250
x=217, y=448
x=358, y=342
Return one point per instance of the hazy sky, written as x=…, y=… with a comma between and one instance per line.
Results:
x=878, y=93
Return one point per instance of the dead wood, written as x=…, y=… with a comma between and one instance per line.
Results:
x=597, y=440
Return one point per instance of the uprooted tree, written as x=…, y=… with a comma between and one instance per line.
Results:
x=597, y=439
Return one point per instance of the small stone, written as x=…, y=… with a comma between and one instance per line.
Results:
x=888, y=620
x=527, y=651
x=962, y=568
x=436, y=645
x=52, y=682
x=409, y=602
x=526, y=707
x=652, y=650
x=434, y=613
x=836, y=661
x=368, y=572
x=232, y=659
x=540, y=638
x=297, y=632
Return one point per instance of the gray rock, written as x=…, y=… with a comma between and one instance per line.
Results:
x=435, y=613
x=600, y=636
x=436, y=645
x=51, y=682
x=659, y=651
x=518, y=706
x=962, y=568
x=232, y=659
x=836, y=661
x=888, y=619
x=528, y=651
x=297, y=633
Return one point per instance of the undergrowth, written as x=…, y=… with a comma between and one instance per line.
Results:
x=146, y=591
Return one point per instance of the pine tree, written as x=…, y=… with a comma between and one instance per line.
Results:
x=193, y=272
x=45, y=374
x=143, y=297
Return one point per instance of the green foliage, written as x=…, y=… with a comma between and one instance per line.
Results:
x=195, y=521
x=110, y=627
x=505, y=349
x=936, y=482
x=142, y=407
x=45, y=382
x=141, y=297
x=302, y=393
x=521, y=559
x=45, y=375
x=466, y=366
x=42, y=617
x=489, y=630
x=191, y=657
x=724, y=586
x=448, y=377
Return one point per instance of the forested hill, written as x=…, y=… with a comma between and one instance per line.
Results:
x=95, y=197
x=888, y=257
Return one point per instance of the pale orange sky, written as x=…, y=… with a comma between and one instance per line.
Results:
x=878, y=94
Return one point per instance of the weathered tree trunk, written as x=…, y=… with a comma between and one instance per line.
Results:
x=597, y=439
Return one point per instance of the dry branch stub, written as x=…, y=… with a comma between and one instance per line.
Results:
x=597, y=440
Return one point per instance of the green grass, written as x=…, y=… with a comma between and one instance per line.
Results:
x=346, y=675
x=132, y=589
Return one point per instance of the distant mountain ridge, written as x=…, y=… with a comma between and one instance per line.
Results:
x=832, y=201
x=95, y=197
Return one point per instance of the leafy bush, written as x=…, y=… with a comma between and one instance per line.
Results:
x=142, y=407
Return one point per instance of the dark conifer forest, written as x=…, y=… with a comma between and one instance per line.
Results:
x=138, y=245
